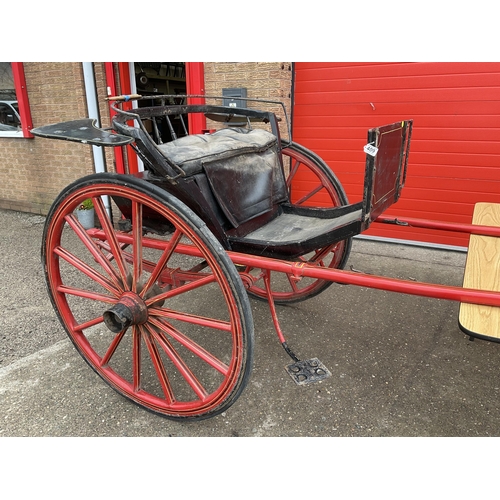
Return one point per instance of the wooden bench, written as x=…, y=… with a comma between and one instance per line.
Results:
x=482, y=271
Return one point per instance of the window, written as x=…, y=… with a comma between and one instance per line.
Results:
x=15, y=117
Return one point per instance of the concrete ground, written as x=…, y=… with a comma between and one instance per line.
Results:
x=400, y=365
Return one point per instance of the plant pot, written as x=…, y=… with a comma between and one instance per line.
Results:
x=86, y=218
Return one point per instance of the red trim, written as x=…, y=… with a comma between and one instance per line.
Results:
x=111, y=84
x=195, y=84
x=125, y=88
x=22, y=98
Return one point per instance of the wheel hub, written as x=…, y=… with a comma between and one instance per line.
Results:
x=129, y=310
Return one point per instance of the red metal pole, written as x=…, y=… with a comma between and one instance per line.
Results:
x=304, y=270
x=195, y=84
x=22, y=98
x=443, y=226
x=111, y=84
x=301, y=269
x=124, y=74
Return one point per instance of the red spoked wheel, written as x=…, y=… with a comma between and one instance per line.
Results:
x=320, y=188
x=149, y=297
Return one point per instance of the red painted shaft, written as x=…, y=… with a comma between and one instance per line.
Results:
x=443, y=226
x=302, y=269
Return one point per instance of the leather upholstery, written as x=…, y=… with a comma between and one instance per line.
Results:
x=242, y=168
x=192, y=151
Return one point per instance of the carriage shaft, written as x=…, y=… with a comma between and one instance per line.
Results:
x=432, y=290
x=442, y=226
x=304, y=270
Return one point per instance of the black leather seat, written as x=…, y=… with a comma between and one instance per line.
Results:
x=243, y=168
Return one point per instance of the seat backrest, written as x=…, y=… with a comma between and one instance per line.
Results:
x=243, y=168
x=386, y=162
x=192, y=152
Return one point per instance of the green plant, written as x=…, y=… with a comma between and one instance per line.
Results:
x=86, y=205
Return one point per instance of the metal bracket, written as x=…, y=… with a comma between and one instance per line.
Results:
x=394, y=221
x=308, y=371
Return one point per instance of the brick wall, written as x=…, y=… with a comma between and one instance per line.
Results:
x=34, y=171
x=263, y=80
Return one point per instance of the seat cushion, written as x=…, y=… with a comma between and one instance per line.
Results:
x=242, y=167
x=192, y=151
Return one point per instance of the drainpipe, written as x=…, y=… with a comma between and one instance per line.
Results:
x=91, y=95
x=93, y=110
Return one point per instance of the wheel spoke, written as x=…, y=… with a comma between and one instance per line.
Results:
x=192, y=346
x=293, y=171
x=112, y=348
x=181, y=289
x=179, y=363
x=293, y=283
x=167, y=253
x=309, y=195
x=159, y=366
x=323, y=252
x=86, y=294
x=191, y=318
x=136, y=357
x=112, y=241
x=93, y=248
x=88, y=324
x=87, y=270
x=137, y=246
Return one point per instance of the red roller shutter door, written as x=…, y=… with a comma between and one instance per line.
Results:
x=455, y=153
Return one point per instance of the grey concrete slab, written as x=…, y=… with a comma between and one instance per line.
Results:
x=400, y=365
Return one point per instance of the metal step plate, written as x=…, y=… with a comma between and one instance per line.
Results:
x=308, y=371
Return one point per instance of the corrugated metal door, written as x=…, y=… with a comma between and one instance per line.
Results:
x=455, y=151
